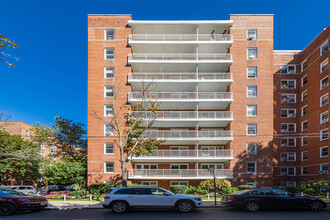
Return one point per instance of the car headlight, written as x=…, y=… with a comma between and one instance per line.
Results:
x=198, y=199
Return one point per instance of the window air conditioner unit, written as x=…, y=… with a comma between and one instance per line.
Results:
x=284, y=174
x=252, y=56
x=283, y=145
x=323, y=171
x=252, y=37
x=325, y=120
x=283, y=159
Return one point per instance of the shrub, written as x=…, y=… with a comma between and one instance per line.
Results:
x=79, y=193
x=228, y=190
x=240, y=187
x=178, y=189
x=196, y=191
x=291, y=189
x=98, y=189
x=75, y=187
x=316, y=185
x=219, y=183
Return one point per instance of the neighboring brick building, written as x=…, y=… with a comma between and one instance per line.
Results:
x=220, y=99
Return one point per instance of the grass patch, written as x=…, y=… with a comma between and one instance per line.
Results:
x=211, y=198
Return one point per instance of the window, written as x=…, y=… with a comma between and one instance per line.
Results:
x=252, y=72
x=304, y=155
x=251, y=110
x=261, y=192
x=123, y=191
x=52, y=151
x=251, y=148
x=288, y=127
x=252, y=91
x=304, y=141
x=288, y=171
x=252, y=53
x=109, y=130
x=109, y=167
x=304, y=65
x=324, y=168
x=324, y=82
x=251, y=183
x=324, y=134
x=324, y=117
x=288, y=156
x=109, y=53
x=304, y=171
x=109, y=72
x=288, y=84
x=324, y=151
x=109, y=34
x=304, y=126
x=151, y=167
x=109, y=91
x=288, y=142
x=288, y=98
x=288, y=183
x=27, y=133
x=251, y=167
x=109, y=148
x=181, y=183
x=304, y=81
x=140, y=191
x=288, y=69
x=324, y=100
x=288, y=113
x=108, y=110
x=304, y=110
x=324, y=48
x=251, y=34
x=251, y=129
x=148, y=183
x=324, y=65
x=304, y=96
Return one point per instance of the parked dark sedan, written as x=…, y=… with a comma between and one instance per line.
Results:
x=12, y=201
x=256, y=199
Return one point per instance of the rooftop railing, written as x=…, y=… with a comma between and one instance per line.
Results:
x=180, y=37
x=180, y=56
x=178, y=173
x=183, y=95
x=179, y=76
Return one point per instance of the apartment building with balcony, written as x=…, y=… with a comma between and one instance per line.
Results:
x=221, y=98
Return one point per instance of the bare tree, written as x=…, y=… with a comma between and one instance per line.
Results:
x=131, y=124
x=5, y=119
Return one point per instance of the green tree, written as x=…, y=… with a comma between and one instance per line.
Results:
x=6, y=43
x=70, y=140
x=19, y=158
x=65, y=172
x=43, y=135
x=220, y=183
x=130, y=124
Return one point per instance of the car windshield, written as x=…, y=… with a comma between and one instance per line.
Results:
x=9, y=192
x=241, y=192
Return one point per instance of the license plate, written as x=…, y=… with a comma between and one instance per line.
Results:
x=42, y=204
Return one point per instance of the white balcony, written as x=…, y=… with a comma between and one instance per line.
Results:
x=217, y=136
x=186, y=100
x=188, y=118
x=187, y=155
x=151, y=174
x=180, y=58
x=186, y=81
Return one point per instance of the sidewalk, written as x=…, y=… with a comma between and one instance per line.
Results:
x=68, y=205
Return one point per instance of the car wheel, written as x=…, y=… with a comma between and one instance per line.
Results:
x=315, y=206
x=185, y=206
x=119, y=207
x=252, y=206
x=7, y=209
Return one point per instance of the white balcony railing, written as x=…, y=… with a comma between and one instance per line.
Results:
x=182, y=95
x=216, y=153
x=180, y=37
x=188, y=134
x=179, y=76
x=179, y=173
x=179, y=57
x=182, y=115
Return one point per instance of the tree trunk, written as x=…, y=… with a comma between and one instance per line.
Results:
x=123, y=175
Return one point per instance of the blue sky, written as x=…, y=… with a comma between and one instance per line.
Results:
x=50, y=77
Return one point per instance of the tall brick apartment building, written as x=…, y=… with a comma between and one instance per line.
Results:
x=226, y=100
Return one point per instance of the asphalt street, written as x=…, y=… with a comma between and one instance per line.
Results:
x=204, y=213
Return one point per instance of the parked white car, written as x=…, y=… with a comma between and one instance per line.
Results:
x=27, y=190
x=120, y=199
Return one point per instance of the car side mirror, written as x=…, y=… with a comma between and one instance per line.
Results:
x=167, y=194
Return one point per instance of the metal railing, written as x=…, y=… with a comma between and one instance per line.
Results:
x=182, y=95
x=177, y=115
x=180, y=56
x=188, y=134
x=179, y=76
x=186, y=173
x=180, y=37
x=216, y=153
